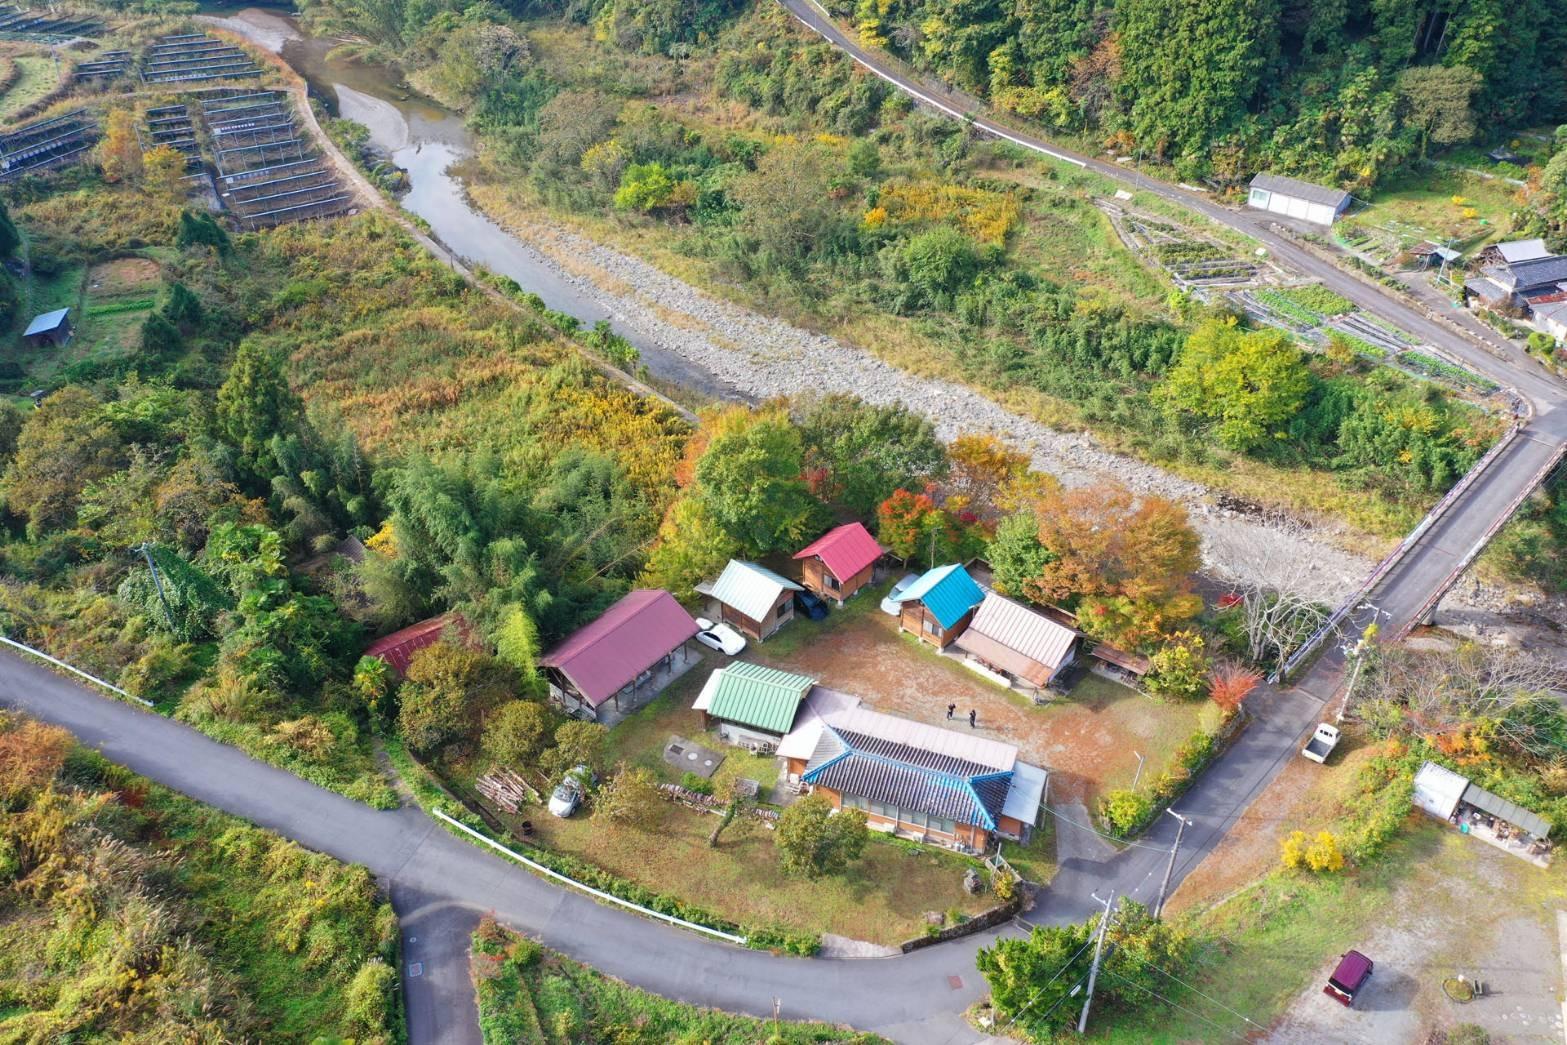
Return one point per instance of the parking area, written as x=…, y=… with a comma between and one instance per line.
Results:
x=1089, y=740
x=1464, y=908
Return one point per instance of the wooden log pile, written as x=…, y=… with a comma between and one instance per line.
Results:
x=506, y=789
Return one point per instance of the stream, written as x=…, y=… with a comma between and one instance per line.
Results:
x=426, y=140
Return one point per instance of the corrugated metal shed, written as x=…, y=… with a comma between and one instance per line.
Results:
x=46, y=322
x=1512, y=812
x=933, y=741
x=398, y=648
x=750, y=589
x=1301, y=190
x=1438, y=789
x=845, y=550
x=948, y=592
x=1014, y=638
x=755, y=696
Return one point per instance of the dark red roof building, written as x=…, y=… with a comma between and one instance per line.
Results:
x=398, y=648
x=840, y=562
x=600, y=661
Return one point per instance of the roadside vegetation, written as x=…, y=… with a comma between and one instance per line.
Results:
x=130, y=912
x=528, y=993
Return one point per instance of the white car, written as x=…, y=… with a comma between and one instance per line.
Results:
x=888, y=606
x=565, y=799
x=720, y=637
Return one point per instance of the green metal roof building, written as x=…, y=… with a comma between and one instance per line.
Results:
x=755, y=698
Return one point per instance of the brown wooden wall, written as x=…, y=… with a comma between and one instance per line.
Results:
x=912, y=620
x=814, y=574
x=759, y=630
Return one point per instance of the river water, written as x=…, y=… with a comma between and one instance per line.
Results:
x=426, y=139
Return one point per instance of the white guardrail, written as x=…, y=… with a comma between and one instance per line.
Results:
x=600, y=894
x=94, y=679
x=1394, y=557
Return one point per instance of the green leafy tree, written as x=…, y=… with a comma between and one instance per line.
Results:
x=1015, y=554
x=1030, y=978
x=255, y=404
x=1250, y=382
x=189, y=602
x=201, y=230
x=182, y=308
x=1180, y=667
x=645, y=187
x=857, y=454
x=691, y=545
x=373, y=683
x=813, y=840
x=786, y=207
x=517, y=645
x=160, y=338
x=1436, y=101
x=446, y=692
x=576, y=744
x=630, y=797
x=65, y=444
x=515, y=732
x=750, y=480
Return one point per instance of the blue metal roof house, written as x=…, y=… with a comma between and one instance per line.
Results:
x=937, y=607
x=50, y=328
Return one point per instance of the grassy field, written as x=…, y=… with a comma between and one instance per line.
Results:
x=883, y=897
x=529, y=994
x=1422, y=205
x=37, y=75
x=108, y=304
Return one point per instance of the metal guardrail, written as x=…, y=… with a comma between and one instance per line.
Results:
x=41, y=655
x=1394, y=557
x=1485, y=538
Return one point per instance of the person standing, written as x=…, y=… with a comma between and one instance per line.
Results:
x=971, y=714
x=951, y=708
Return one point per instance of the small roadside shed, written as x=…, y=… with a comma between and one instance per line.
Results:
x=625, y=649
x=1438, y=790
x=49, y=328
x=1027, y=647
x=752, y=706
x=752, y=598
x=1127, y=667
x=1301, y=200
x=398, y=648
x=840, y=562
x=937, y=607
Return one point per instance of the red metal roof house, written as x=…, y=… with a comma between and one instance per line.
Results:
x=398, y=648
x=840, y=562
x=619, y=651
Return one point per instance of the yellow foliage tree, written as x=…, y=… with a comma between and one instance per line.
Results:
x=163, y=174
x=1323, y=854
x=1293, y=850
x=119, y=153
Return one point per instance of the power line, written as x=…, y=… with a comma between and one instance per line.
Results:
x=1101, y=834
x=1013, y=1018
x=1167, y=1001
x=1194, y=990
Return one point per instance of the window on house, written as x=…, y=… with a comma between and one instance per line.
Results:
x=918, y=819
x=943, y=825
x=832, y=582
x=931, y=627
x=853, y=802
x=783, y=609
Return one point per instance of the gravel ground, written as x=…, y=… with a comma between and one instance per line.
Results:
x=762, y=357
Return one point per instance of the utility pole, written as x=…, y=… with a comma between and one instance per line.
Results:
x=1093, y=972
x=1169, y=868
x=157, y=582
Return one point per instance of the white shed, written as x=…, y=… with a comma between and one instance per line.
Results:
x=1300, y=200
x=1438, y=790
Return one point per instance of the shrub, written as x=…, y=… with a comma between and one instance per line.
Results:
x=785, y=941
x=1004, y=886
x=1125, y=810
x=1292, y=850
x=692, y=782
x=1323, y=854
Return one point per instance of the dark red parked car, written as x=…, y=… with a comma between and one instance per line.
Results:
x=1354, y=969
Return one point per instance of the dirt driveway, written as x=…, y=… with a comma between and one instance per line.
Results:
x=1087, y=740
x=1467, y=909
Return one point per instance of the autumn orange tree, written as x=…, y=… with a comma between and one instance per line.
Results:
x=981, y=466
x=913, y=525
x=119, y=153
x=1230, y=683
x=1126, y=562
